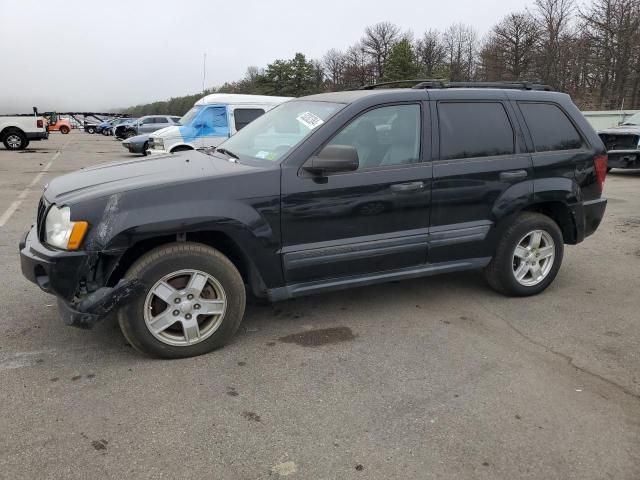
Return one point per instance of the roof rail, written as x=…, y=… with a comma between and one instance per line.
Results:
x=437, y=84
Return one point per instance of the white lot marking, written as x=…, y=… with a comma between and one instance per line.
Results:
x=14, y=205
x=284, y=469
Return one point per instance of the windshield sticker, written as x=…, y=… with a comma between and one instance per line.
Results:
x=262, y=154
x=309, y=120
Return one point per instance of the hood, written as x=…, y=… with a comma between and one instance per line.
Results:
x=150, y=172
x=167, y=132
x=622, y=130
x=137, y=139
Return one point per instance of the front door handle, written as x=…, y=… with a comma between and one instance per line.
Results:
x=407, y=187
x=513, y=174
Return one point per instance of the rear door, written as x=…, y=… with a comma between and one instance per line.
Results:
x=481, y=167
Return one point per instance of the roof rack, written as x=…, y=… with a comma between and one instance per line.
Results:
x=437, y=84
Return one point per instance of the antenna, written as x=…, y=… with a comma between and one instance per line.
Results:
x=204, y=69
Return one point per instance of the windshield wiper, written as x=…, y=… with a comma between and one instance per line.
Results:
x=228, y=153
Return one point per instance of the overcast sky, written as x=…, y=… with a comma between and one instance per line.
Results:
x=92, y=55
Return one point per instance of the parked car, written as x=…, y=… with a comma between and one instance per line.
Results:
x=16, y=131
x=146, y=124
x=138, y=144
x=623, y=143
x=123, y=121
x=55, y=123
x=91, y=126
x=211, y=121
x=175, y=242
x=114, y=123
x=105, y=126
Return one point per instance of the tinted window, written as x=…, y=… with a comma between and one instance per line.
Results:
x=384, y=136
x=550, y=127
x=146, y=121
x=244, y=116
x=474, y=129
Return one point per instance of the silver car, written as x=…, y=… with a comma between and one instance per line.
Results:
x=147, y=124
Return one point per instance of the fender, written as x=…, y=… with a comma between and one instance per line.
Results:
x=133, y=217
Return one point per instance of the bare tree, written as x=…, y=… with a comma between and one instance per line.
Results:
x=377, y=42
x=515, y=39
x=431, y=53
x=333, y=63
x=554, y=21
x=461, y=47
x=358, y=68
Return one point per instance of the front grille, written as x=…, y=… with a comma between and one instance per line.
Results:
x=620, y=142
x=43, y=206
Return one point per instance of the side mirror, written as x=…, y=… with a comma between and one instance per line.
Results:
x=333, y=159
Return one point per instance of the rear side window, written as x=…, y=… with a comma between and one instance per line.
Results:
x=244, y=116
x=474, y=129
x=550, y=127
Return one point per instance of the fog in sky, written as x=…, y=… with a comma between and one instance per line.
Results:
x=89, y=55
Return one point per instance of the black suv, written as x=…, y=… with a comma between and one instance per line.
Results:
x=324, y=192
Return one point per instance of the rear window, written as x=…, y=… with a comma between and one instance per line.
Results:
x=244, y=116
x=474, y=129
x=550, y=127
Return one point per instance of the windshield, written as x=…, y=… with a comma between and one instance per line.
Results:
x=190, y=115
x=274, y=134
x=633, y=120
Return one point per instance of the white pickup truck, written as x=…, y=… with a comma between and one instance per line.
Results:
x=16, y=131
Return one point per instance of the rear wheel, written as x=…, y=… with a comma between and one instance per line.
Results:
x=128, y=134
x=194, y=301
x=15, y=140
x=91, y=130
x=528, y=256
x=105, y=132
x=64, y=129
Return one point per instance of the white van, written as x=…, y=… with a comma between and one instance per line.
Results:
x=212, y=120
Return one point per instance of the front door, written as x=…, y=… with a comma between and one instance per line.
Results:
x=212, y=127
x=370, y=220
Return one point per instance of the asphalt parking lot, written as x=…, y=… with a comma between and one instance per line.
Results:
x=430, y=378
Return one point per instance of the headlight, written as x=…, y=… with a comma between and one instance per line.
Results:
x=158, y=143
x=61, y=232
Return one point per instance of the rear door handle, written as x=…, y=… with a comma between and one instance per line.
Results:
x=513, y=174
x=407, y=187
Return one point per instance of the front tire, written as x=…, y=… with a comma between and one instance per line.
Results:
x=528, y=256
x=91, y=130
x=193, y=303
x=64, y=129
x=15, y=140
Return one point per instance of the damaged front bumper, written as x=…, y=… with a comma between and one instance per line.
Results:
x=623, y=159
x=62, y=273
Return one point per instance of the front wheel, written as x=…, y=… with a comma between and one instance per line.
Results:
x=91, y=130
x=64, y=129
x=193, y=303
x=528, y=256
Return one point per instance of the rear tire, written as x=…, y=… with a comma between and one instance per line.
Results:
x=15, y=139
x=105, y=132
x=64, y=129
x=177, y=265
x=528, y=256
x=91, y=130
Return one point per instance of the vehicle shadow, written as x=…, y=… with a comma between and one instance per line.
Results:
x=266, y=323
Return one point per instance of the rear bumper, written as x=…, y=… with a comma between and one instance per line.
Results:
x=61, y=274
x=623, y=159
x=35, y=136
x=592, y=214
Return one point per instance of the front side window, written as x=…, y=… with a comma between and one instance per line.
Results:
x=384, y=136
x=147, y=121
x=244, y=116
x=274, y=134
x=474, y=129
x=213, y=121
x=550, y=128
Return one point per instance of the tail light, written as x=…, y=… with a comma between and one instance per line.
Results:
x=600, y=163
x=39, y=123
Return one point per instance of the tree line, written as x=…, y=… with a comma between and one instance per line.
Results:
x=591, y=52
